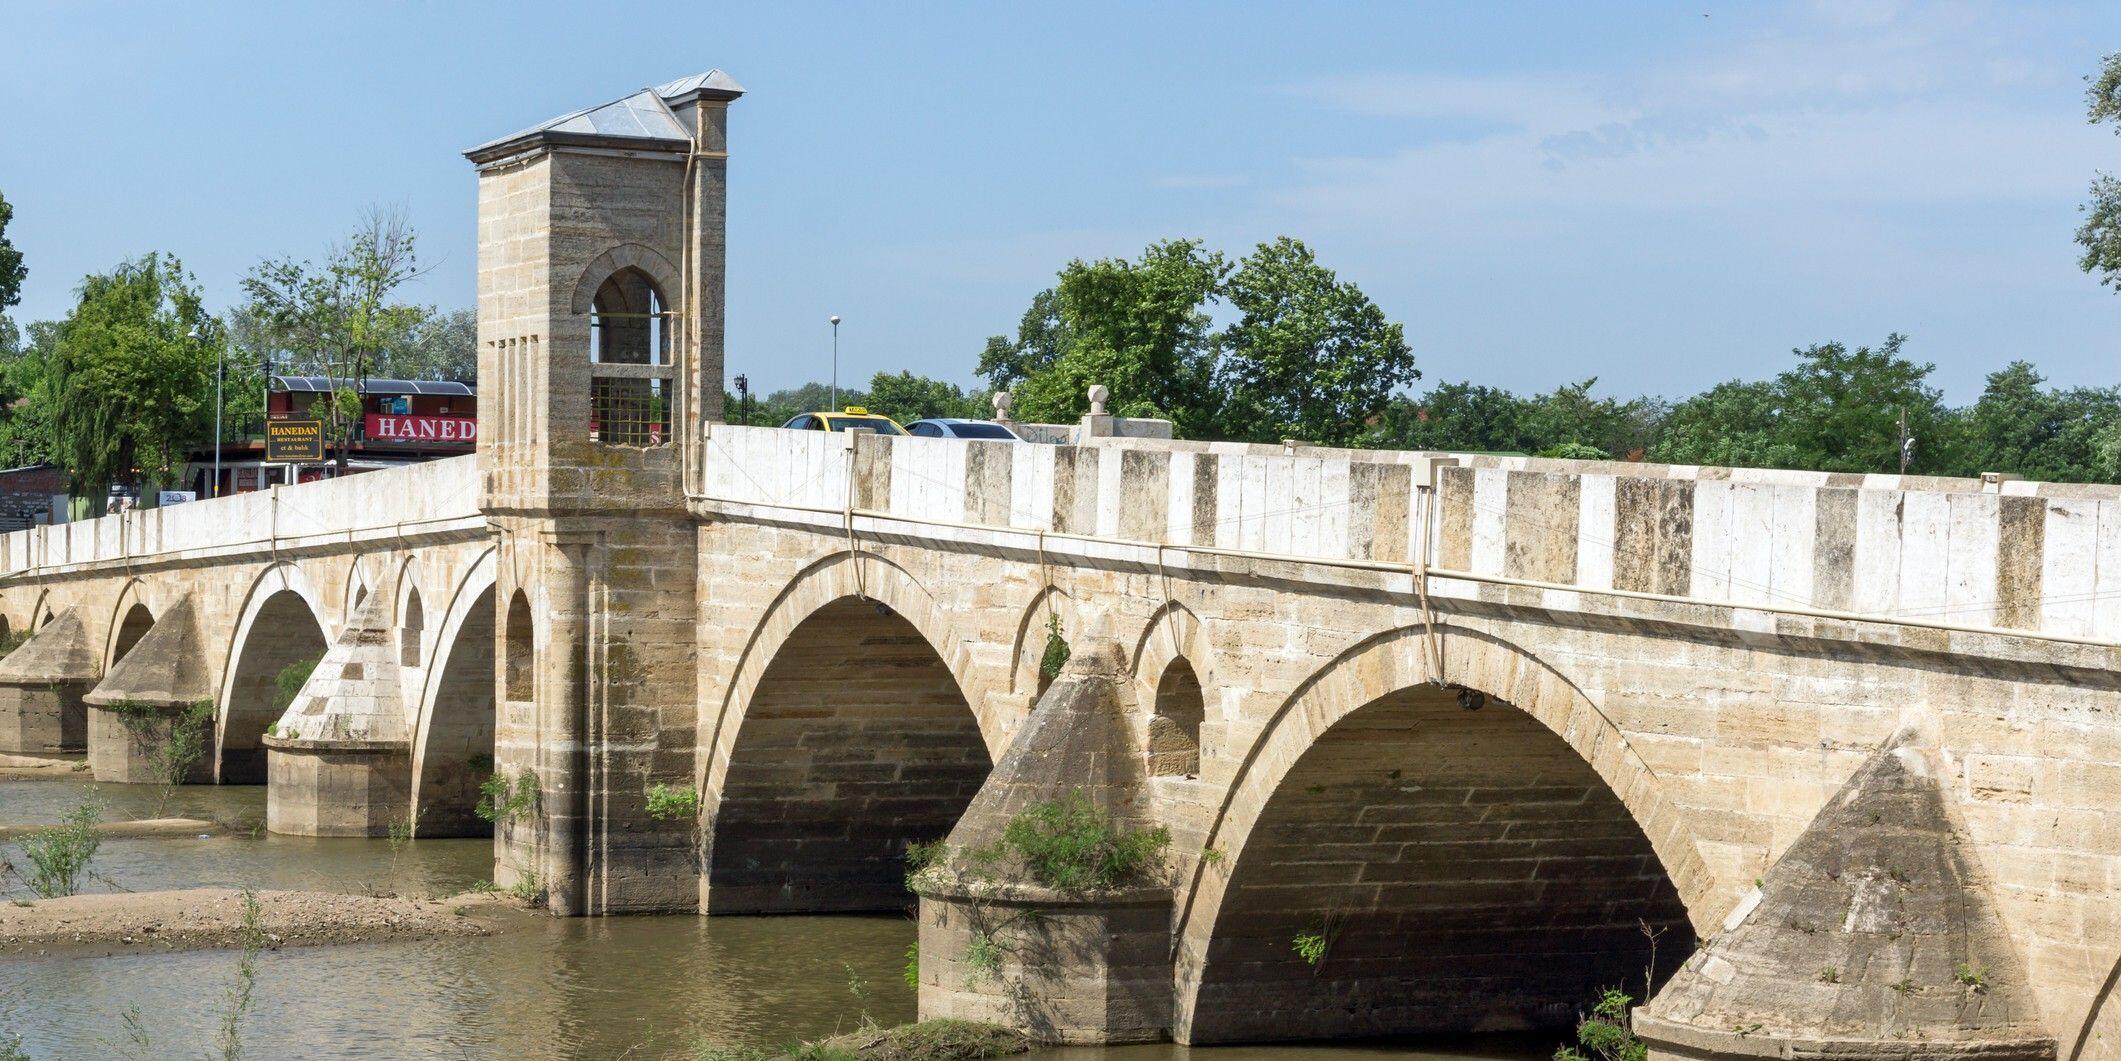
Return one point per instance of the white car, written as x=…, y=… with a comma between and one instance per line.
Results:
x=950, y=427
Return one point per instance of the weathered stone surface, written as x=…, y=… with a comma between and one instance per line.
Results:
x=1872, y=937
x=1074, y=967
x=41, y=687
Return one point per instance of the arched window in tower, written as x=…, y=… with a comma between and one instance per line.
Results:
x=631, y=376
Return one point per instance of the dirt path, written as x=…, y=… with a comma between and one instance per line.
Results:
x=211, y=918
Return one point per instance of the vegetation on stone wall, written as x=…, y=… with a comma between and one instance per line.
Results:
x=173, y=740
x=673, y=803
x=1056, y=653
x=1072, y=847
x=501, y=798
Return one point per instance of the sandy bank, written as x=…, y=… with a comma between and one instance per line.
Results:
x=34, y=767
x=143, y=827
x=208, y=918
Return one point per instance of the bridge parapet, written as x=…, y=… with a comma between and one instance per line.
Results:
x=418, y=497
x=1955, y=554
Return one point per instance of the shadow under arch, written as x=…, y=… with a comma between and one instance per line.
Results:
x=1174, y=669
x=848, y=731
x=129, y=622
x=1409, y=821
x=1026, y=675
x=281, y=625
x=453, y=737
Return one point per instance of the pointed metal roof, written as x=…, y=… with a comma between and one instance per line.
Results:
x=643, y=116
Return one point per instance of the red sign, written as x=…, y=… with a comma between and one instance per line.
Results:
x=459, y=429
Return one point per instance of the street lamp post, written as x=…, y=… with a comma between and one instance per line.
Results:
x=220, y=370
x=835, y=362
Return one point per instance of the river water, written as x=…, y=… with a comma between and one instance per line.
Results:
x=647, y=987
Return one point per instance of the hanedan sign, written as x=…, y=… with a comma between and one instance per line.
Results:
x=293, y=441
x=461, y=429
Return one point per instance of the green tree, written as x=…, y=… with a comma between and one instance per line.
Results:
x=1309, y=357
x=130, y=389
x=1732, y=424
x=12, y=271
x=439, y=345
x=905, y=397
x=1570, y=423
x=1840, y=409
x=25, y=398
x=1140, y=329
x=337, y=320
x=1462, y=417
x=2100, y=235
x=1040, y=338
x=2051, y=435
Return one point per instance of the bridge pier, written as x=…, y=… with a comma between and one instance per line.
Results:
x=1064, y=965
x=151, y=719
x=339, y=760
x=42, y=683
x=1873, y=937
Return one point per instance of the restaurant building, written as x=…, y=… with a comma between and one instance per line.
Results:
x=402, y=422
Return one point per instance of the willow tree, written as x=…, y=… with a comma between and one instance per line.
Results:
x=130, y=378
x=336, y=320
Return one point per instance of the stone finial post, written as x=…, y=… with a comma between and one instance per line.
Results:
x=1097, y=423
x=1002, y=401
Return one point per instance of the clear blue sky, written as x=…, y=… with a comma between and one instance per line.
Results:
x=1662, y=195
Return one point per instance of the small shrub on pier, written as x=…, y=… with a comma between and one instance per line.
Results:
x=1072, y=847
x=667, y=803
x=501, y=798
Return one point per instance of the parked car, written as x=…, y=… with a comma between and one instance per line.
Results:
x=848, y=419
x=951, y=427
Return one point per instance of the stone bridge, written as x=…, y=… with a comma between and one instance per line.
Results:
x=1833, y=759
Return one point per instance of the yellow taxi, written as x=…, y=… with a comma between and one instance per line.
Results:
x=852, y=418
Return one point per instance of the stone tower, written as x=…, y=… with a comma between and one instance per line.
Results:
x=601, y=256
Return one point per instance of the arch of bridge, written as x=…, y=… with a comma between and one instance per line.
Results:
x=824, y=581
x=1389, y=663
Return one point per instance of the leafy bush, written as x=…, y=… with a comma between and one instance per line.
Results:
x=59, y=855
x=1072, y=847
x=502, y=799
x=1057, y=651
x=1604, y=1034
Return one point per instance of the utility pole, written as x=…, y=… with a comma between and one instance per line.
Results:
x=743, y=399
x=835, y=363
x=1907, y=444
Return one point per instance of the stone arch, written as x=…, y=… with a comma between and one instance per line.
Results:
x=1173, y=664
x=281, y=625
x=411, y=610
x=453, y=738
x=1030, y=646
x=130, y=620
x=1367, y=748
x=618, y=259
x=849, y=729
x=519, y=663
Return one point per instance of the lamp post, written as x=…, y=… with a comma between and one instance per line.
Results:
x=835, y=362
x=220, y=369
